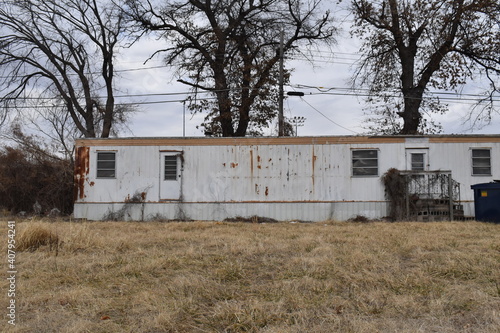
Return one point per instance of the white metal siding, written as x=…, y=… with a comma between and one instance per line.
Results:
x=286, y=182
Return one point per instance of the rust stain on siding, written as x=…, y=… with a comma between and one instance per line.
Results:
x=314, y=158
x=234, y=165
x=251, y=164
x=267, y=191
x=82, y=155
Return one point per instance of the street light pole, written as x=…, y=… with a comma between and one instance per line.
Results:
x=281, y=121
x=184, y=118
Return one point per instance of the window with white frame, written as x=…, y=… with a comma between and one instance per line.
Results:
x=106, y=164
x=365, y=162
x=481, y=162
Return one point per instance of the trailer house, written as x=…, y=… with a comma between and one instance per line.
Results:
x=285, y=178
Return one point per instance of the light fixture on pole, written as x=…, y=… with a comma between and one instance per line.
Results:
x=295, y=93
x=297, y=122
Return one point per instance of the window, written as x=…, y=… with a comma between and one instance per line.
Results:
x=481, y=162
x=106, y=165
x=417, y=162
x=365, y=162
x=170, y=167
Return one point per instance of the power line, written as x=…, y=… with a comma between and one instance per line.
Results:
x=116, y=104
x=468, y=99
x=139, y=69
x=364, y=92
x=117, y=96
x=329, y=119
x=322, y=90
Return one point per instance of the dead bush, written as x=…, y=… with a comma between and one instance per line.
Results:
x=359, y=218
x=395, y=191
x=29, y=180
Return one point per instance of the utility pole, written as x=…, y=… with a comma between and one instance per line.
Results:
x=281, y=122
x=184, y=118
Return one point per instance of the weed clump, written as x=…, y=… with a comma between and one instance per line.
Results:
x=35, y=236
x=395, y=191
x=359, y=218
x=252, y=219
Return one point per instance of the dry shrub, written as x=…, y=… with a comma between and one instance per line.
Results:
x=359, y=218
x=395, y=191
x=29, y=177
x=34, y=236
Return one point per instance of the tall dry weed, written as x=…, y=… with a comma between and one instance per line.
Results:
x=80, y=237
x=36, y=235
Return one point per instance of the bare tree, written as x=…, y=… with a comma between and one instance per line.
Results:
x=228, y=48
x=413, y=45
x=54, y=129
x=62, y=50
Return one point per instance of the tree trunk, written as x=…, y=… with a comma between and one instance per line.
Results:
x=243, y=122
x=89, y=122
x=226, y=124
x=411, y=115
x=225, y=117
x=107, y=121
x=223, y=99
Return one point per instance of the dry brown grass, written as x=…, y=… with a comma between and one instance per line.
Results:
x=35, y=235
x=244, y=277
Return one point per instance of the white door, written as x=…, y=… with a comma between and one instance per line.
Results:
x=170, y=175
x=417, y=159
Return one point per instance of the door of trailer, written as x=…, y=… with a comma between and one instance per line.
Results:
x=417, y=159
x=170, y=175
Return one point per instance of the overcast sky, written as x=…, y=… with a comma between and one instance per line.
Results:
x=327, y=111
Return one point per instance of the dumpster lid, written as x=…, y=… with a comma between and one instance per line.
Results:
x=492, y=185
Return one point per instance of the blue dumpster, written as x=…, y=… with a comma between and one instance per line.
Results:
x=487, y=201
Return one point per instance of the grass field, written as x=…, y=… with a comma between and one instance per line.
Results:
x=245, y=277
